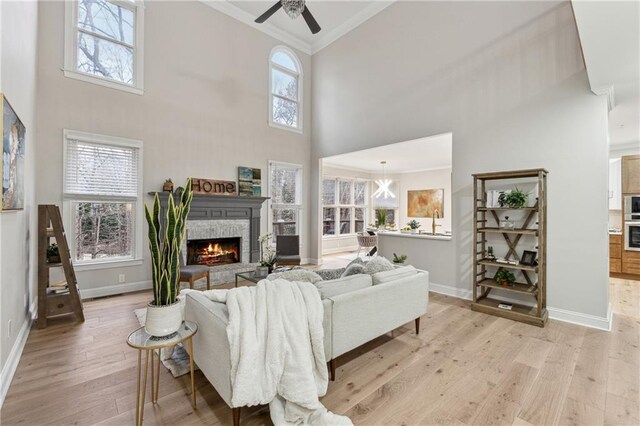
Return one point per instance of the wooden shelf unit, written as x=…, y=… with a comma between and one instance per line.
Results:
x=50, y=303
x=484, y=281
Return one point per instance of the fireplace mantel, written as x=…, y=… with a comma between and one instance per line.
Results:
x=224, y=207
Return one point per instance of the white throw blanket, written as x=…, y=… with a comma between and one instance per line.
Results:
x=277, y=354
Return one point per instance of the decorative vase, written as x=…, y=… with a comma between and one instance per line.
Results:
x=262, y=271
x=163, y=320
x=54, y=259
x=414, y=231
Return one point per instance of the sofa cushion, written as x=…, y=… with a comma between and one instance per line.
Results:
x=395, y=274
x=296, y=275
x=353, y=269
x=330, y=274
x=378, y=264
x=332, y=288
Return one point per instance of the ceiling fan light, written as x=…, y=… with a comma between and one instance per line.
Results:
x=293, y=7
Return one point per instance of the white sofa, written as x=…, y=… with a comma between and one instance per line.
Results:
x=357, y=309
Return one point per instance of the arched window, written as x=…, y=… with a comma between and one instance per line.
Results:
x=285, y=80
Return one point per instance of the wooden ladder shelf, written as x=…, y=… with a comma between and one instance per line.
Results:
x=535, y=277
x=61, y=301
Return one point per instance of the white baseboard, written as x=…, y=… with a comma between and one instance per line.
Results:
x=339, y=250
x=447, y=290
x=111, y=290
x=592, y=321
x=13, y=359
x=578, y=318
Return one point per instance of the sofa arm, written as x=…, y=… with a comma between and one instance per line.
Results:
x=210, y=343
x=363, y=315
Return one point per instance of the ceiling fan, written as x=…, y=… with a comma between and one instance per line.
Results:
x=293, y=8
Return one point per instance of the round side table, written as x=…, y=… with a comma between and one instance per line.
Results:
x=143, y=341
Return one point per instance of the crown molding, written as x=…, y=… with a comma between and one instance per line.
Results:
x=322, y=41
x=350, y=24
x=607, y=91
x=346, y=168
x=267, y=28
x=624, y=146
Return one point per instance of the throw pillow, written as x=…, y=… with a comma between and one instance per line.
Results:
x=356, y=261
x=378, y=264
x=296, y=275
x=353, y=269
x=393, y=275
x=330, y=274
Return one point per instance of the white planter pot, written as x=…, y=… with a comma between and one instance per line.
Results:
x=163, y=320
x=414, y=231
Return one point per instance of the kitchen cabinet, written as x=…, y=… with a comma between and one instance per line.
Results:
x=631, y=174
x=615, y=253
x=631, y=262
x=615, y=184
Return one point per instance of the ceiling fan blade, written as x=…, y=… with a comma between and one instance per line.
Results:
x=311, y=21
x=273, y=9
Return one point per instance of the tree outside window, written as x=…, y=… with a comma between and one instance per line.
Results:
x=286, y=73
x=345, y=206
x=285, y=190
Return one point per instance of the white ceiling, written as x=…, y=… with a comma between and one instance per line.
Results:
x=610, y=38
x=336, y=18
x=430, y=153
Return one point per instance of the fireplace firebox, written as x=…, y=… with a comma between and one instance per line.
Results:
x=213, y=251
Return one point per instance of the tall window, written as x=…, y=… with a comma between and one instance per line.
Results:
x=285, y=190
x=103, y=42
x=285, y=79
x=103, y=197
x=345, y=206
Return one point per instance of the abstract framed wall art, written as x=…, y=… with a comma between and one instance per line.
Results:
x=13, y=158
x=249, y=182
x=424, y=202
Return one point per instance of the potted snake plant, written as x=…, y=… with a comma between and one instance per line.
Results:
x=164, y=315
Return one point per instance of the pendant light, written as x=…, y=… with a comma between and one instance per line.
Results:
x=384, y=190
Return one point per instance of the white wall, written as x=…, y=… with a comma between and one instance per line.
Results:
x=508, y=80
x=18, y=60
x=204, y=111
x=430, y=179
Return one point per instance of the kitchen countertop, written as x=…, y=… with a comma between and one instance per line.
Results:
x=439, y=237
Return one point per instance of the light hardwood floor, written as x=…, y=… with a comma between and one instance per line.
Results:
x=464, y=368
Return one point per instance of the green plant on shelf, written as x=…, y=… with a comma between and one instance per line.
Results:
x=515, y=199
x=505, y=277
x=53, y=253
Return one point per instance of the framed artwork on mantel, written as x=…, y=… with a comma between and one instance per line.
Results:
x=424, y=202
x=12, y=166
x=249, y=182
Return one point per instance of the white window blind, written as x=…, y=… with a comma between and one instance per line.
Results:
x=100, y=169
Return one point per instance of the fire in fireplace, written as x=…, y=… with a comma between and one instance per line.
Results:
x=214, y=251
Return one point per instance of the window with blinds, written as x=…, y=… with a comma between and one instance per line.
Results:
x=98, y=169
x=285, y=191
x=103, y=200
x=344, y=206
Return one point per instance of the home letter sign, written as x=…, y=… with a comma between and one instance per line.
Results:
x=213, y=187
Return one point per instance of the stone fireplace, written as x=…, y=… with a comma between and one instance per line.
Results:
x=231, y=222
